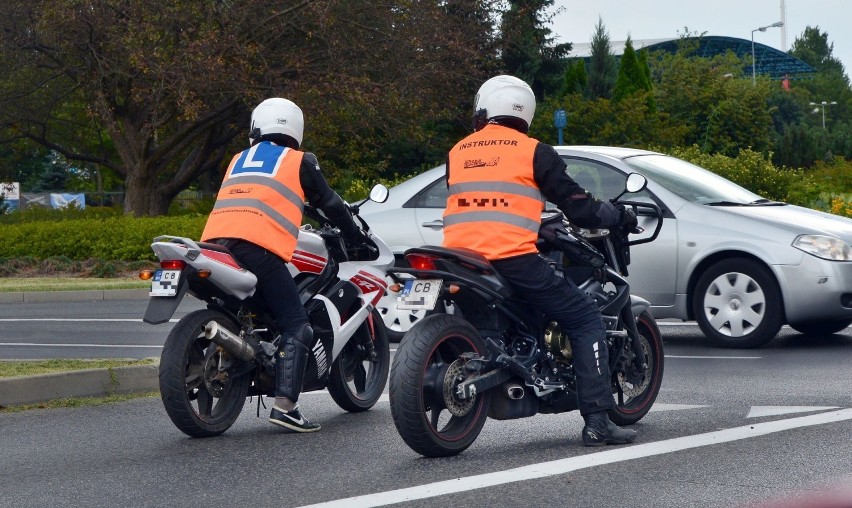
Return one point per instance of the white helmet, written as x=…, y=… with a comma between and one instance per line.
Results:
x=504, y=96
x=277, y=116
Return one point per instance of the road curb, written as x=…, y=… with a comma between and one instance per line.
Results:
x=24, y=390
x=73, y=296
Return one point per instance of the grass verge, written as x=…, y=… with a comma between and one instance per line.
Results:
x=27, y=284
x=18, y=368
x=78, y=402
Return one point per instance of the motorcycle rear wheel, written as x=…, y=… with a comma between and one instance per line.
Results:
x=634, y=400
x=424, y=374
x=199, y=403
x=355, y=382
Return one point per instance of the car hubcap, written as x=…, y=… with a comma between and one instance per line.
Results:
x=734, y=304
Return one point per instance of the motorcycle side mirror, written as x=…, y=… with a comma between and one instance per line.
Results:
x=635, y=182
x=379, y=193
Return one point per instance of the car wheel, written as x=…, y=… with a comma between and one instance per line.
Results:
x=737, y=304
x=396, y=321
x=821, y=327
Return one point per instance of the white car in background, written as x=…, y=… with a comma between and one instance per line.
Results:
x=738, y=264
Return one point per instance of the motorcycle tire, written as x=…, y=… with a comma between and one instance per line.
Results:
x=197, y=403
x=634, y=400
x=424, y=374
x=355, y=382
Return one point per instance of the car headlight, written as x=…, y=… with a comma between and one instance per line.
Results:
x=825, y=247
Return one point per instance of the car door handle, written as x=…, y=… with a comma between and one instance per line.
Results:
x=434, y=224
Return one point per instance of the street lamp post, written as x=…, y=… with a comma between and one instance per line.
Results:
x=822, y=106
x=753, y=66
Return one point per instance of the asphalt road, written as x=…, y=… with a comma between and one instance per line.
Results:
x=84, y=329
x=730, y=428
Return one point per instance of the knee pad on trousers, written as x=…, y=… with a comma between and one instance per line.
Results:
x=291, y=361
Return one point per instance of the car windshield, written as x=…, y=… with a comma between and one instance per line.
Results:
x=692, y=182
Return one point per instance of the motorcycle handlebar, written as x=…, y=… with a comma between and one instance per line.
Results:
x=653, y=210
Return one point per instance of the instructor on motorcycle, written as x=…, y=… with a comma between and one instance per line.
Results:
x=500, y=158
x=257, y=216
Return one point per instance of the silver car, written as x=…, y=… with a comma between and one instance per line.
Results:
x=740, y=265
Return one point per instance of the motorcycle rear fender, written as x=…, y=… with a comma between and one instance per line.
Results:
x=162, y=308
x=231, y=279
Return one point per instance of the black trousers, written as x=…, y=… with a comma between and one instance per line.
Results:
x=274, y=284
x=577, y=314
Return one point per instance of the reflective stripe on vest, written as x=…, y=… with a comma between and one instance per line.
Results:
x=494, y=205
x=261, y=200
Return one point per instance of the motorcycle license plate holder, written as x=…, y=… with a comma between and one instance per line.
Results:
x=419, y=294
x=165, y=283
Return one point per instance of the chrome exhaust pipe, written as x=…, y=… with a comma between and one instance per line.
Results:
x=231, y=343
x=515, y=391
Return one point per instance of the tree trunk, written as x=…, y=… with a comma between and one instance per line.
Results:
x=143, y=196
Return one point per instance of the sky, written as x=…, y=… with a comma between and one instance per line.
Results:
x=658, y=19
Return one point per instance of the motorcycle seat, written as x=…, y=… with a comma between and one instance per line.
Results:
x=473, y=260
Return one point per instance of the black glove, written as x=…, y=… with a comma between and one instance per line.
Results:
x=628, y=220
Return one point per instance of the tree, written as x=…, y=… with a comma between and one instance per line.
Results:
x=632, y=77
x=576, y=79
x=813, y=48
x=722, y=114
x=528, y=49
x=603, y=66
x=158, y=91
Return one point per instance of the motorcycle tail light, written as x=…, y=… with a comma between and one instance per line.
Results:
x=172, y=264
x=421, y=261
x=146, y=274
x=204, y=273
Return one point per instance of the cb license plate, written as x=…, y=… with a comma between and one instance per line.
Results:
x=165, y=283
x=419, y=294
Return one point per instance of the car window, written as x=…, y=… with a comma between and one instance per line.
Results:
x=602, y=181
x=433, y=196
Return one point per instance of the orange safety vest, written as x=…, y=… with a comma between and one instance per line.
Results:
x=261, y=199
x=494, y=205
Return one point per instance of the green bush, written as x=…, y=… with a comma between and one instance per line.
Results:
x=113, y=238
x=751, y=170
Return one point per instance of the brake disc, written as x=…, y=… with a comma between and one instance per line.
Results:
x=455, y=375
x=633, y=384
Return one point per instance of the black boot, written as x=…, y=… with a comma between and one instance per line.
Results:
x=599, y=430
x=290, y=363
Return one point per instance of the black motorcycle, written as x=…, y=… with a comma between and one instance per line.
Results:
x=482, y=353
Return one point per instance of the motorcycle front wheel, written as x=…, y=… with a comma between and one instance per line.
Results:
x=201, y=400
x=357, y=378
x=425, y=372
x=636, y=392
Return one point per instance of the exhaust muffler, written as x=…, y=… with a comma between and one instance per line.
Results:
x=515, y=391
x=231, y=343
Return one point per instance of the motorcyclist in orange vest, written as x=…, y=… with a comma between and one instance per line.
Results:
x=498, y=179
x=257, y=215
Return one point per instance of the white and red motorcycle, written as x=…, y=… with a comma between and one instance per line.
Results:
x=215, y=358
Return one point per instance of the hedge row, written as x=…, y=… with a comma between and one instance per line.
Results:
x=117, y=238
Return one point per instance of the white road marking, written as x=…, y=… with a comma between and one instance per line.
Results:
x=563, y=466
x=34, y=344
x=758, y=411
x=716, y=357
x=658, y=406
x=80, y=320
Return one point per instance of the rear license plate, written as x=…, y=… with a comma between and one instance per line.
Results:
x=419, y=294
x=165, y=283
